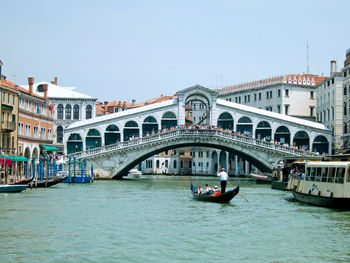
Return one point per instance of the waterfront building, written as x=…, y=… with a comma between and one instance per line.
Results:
x=69, y=106
x=35, y=124
x=292, y=94
x=333, y=104
x=9, y=93
x=111, y=107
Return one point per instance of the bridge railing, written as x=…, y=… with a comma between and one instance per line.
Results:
x=196, y=132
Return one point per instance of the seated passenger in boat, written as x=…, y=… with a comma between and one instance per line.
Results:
x=208, y=189
x=216, y=191
x=199, y=190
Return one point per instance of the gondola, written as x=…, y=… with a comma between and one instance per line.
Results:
x=23, y=181
x=7, y=188
x=223, y=198
x=47, y=183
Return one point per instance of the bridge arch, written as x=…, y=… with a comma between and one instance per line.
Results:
x=320, y=144
x=169, y=120
x=263, y=131
x=225, y=121
x=245, y=126
x=93, y=139
x=131, y=130
x=74, y=143
x=302, y=140
x=112, y=134
x=149, y=126
x=282, y=135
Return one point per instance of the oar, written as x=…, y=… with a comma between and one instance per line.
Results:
x=239, y=192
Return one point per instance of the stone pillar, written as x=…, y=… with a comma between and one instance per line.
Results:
x=218, y=167
x=227, y=162
x=237, y=164
x=246, y=172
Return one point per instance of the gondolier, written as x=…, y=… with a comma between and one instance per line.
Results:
x=223, y=179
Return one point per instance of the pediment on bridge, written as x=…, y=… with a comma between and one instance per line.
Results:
x=197, y=89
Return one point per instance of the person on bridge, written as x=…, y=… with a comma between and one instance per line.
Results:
x=223, y=179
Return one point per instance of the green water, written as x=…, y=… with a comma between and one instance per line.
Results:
x=156, y=220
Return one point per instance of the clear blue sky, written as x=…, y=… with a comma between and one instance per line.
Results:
x=123, y=50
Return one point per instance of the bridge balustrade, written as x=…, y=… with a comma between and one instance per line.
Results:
x=186, y=132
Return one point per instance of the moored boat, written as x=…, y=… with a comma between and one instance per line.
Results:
x=325, y=184
x=261, y=179
x=23, y=181
x=222, y=198
x=279, y=185
x=48, y=182
x=8, y=188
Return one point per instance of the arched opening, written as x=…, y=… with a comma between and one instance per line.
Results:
x=112, y=135
x=245, y=126
x=88, y=112
x=149, y=126
x=131, y=130
x=301, y=140
x=74, y=143
x=197, y=109
x=27, y=153
x=60, y=112
x=93, y=139
x=76, y=112
x=282, y=135
x=225, y=121
x=68, y=112
x=59, y=133
x=263, y=131
x=168, y=120
x=35, y=154
x=320, y=145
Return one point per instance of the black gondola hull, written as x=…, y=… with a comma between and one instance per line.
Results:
x=223, y=198
x=331, y=202
x=47, y=183
x=24, y=181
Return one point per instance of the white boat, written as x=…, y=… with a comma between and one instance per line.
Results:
x=9, y=188
x=324, y=184
x=135, y=173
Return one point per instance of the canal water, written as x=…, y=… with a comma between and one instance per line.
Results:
x=154, y=219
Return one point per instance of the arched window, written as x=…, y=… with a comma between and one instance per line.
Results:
x=60, y=112
x=112, y=134
x=59, y=133
x=74, y=143
x=263, y=131
x=168, y=120
x=245, y=126
x=76, y=112
x=93, y=139
x=225, y=121
x=68, y=112
x=131, y=130
x=88, y=112
x=149, y=126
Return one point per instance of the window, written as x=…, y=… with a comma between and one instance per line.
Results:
x=166, y=164
x=267, y=94
x=3, y=96
x=14, y=100
x=259, y=96
x=175, y=164
x=287, y=92
x=76, y=112
x=88, y=112
x=278, y=108
x=60, y=112
x=270, y=94
x=279, y=93
x=286, y=109
x=68, y=112
x=157, y=164
x=239, y=99
x=311, y=111
x=255, y=97
x=8, y=98
x=189, y=164
x=311, y=94
x=181, y=164
x=59, y=134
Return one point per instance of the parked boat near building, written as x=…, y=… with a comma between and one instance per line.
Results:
x=325, y=184
x=7, y=188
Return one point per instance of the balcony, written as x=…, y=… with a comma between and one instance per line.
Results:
x=9, y=126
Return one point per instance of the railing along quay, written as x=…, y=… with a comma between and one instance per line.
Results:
x=196, y=132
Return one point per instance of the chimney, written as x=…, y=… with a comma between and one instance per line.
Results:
x=45, y=87
x=105, y=107
x=54, y=81
x=346, y=62
x=30, y=83
x=333, y=66
x=133, y=102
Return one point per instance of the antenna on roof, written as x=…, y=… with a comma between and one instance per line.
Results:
x=307, y=58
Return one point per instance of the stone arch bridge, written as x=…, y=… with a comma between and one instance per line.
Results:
x=114, y=161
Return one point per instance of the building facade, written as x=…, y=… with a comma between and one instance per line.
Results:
x=8, y=117
x=35, y=125
x=293, y=94
x=333, y=106
x=69, y=106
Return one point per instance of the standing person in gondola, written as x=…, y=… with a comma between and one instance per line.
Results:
x=223, y=179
